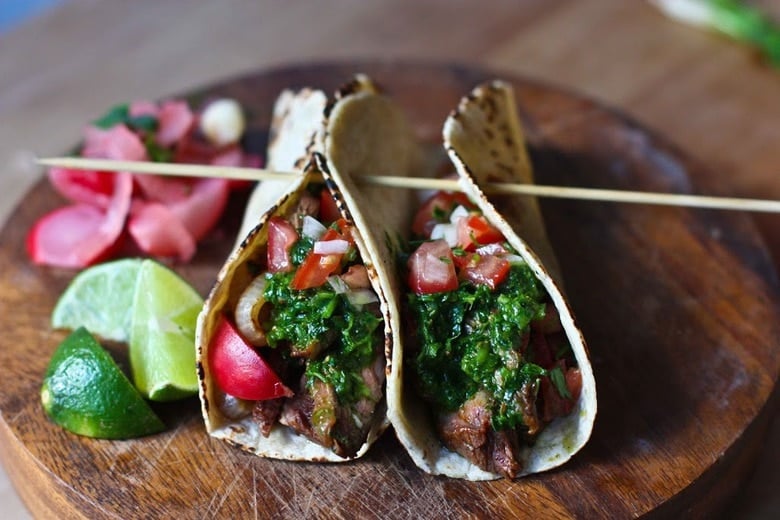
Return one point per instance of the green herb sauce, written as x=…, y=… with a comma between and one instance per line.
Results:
x=303, y=317
x=469, y=339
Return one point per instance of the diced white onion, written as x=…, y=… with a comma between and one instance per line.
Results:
x=338, y=284
x=491, y=249
x=447, y=232
x=458, y=213
x=249, y=304
x=362, y=297
x=331, y=247
x=514, y=259
x=312, y=228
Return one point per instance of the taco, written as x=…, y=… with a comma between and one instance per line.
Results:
x=493, y=378
x=293, y=339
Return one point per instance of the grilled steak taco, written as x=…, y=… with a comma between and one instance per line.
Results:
x=493, y=378
x=293, y=338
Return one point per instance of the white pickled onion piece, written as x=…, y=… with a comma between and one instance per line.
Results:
x=251, y=300
x=312, y=228
x=222, y=122
x=458, y=213
x=362, y=297
x=331, y=247
x=338, y=284
x=447, y=232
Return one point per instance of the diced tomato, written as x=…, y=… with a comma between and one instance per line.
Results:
x=314, y=271
x=329, y=211
x=432, y=268
x=316, y=268
x=475, y=231
x=574, y=382
x=281, y=237
x=486, y=270
x=554, y=404
x=437, y=209
x=239, y=369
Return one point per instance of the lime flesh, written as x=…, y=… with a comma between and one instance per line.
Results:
x=85, y=392
x=162, y=334
x=148, y=306
x=100, y=299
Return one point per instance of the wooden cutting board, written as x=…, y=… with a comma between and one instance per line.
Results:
x=680, y=309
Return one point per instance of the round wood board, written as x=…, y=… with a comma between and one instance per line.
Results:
x=680, y=310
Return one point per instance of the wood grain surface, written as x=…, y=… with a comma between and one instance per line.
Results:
x=709, y=96
x=680, y=309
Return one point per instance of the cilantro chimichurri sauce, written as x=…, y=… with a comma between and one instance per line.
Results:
x=311, y=315
x=470, y=338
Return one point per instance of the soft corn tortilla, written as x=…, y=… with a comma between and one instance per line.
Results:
x=298, y=134
x=296, y=119
x=484, y=140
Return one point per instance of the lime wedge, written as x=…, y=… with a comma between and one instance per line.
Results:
x=85, y=392
x=162, y=334
x=100, y=299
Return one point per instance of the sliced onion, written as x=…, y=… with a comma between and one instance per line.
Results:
x=232, y=407
x=331, y=247
x=249, y=304
x=362, y=297
x=312, y=228
x=458, y=213
x=339, y=285
x=447, y=232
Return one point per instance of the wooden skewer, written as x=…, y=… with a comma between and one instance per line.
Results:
x=423, y=183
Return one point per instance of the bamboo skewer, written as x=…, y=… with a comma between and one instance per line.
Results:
x=423, y=183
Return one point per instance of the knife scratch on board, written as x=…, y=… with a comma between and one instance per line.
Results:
x=215, y=505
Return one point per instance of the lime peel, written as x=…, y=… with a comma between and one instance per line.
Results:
x=86, y=392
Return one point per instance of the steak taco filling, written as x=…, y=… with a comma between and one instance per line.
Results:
x=311, y=318
x=486, y=349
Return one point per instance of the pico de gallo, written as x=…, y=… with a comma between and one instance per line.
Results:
x=303, y=347
x=488, y=353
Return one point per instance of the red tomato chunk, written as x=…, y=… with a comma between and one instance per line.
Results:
x=432, y=268
x=239, y=369
x=281, y=237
